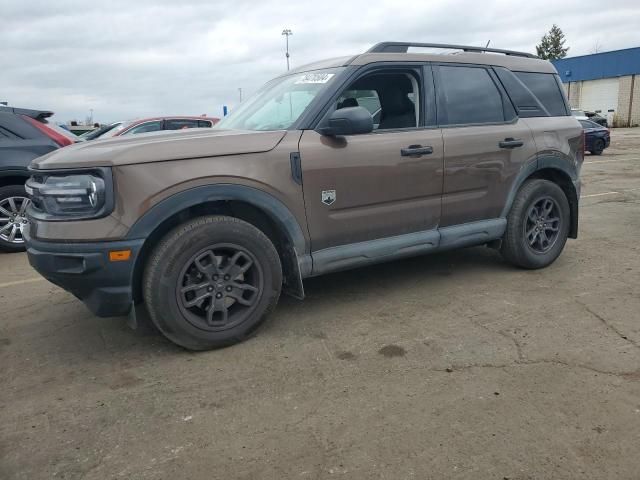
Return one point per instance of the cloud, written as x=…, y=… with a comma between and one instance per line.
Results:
x=128, y=59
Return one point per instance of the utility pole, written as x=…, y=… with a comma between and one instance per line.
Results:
x=240, y=93
x=286, y=32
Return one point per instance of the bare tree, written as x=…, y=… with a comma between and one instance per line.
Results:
x=597, y=47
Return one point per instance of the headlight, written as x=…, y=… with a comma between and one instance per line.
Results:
x=74, y=195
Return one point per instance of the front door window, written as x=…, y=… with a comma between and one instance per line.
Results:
x=391, y=98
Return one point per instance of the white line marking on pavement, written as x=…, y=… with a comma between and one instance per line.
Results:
x=609, y=193
x=598, y=194
x=612, y=161
x=21, y=282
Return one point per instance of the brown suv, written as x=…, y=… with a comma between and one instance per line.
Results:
x=342, y=163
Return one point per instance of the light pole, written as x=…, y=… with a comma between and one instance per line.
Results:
x=286, y=32
x=240, y=93
x=91, y=116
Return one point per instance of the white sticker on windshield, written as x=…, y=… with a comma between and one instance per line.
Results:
x=315, y=78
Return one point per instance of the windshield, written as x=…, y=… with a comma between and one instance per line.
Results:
x=112, y=131
x=100, y=131
x=278, y=104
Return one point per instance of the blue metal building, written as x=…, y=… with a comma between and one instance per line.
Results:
x=604, y=82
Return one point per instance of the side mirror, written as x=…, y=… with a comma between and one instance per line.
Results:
x=348, y=121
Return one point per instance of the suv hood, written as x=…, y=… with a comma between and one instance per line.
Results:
x=159, y=147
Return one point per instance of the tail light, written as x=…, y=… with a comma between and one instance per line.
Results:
x=49, y=132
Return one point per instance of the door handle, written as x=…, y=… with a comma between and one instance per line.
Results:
x=416, y=151
x=511, y=143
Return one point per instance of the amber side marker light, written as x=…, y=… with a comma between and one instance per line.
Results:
x=119, y=255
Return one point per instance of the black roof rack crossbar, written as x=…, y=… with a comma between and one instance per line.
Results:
x=403, y=47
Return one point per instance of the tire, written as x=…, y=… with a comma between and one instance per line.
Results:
x=201, y=260
x=598, y=147
x=531, y=202
x=11, y=203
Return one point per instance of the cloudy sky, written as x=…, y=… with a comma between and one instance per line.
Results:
x=133, y=58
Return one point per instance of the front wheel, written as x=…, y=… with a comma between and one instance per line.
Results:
x=211, y=282
x=537, y=225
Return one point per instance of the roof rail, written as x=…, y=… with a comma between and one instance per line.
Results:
x=403, y=47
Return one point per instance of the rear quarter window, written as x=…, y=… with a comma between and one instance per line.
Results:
x=546, y=89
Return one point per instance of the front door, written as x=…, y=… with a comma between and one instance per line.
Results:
x=381, y=184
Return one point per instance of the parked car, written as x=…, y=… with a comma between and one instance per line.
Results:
x=204, y=229
x=157, y=124
x=597, y=118
x=24, y=135
x=596, y=137
x=586, y=115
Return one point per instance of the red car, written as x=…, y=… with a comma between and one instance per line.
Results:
x=159, y=123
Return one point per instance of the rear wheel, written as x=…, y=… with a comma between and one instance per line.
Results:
x=537, y=225
x=598, y=147
x=13, y=203
x=212, y=282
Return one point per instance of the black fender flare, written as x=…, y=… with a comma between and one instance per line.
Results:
x=545, y=162
x=274, y=208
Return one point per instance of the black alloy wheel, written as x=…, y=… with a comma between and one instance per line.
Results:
x=219, y=286
x=542, y=226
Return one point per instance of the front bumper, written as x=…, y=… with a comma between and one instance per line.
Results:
x=84, y=269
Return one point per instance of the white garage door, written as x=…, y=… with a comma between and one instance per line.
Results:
x=600, y=95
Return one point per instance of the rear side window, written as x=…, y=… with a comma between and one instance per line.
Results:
x=180, y=123
x=525, y=102
x=470, y=96
x=204, y=124
x=545, y=87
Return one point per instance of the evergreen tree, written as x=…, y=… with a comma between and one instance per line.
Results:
x=551, y=46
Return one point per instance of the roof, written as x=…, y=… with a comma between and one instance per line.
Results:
x=616, y=63
x=512, y=60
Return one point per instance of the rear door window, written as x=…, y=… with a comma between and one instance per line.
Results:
x=180, y=123
x=545, y=87
x=469, y=96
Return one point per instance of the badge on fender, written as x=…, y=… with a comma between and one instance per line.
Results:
x=328, y=197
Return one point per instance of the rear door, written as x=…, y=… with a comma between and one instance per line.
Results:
x=485, y=143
